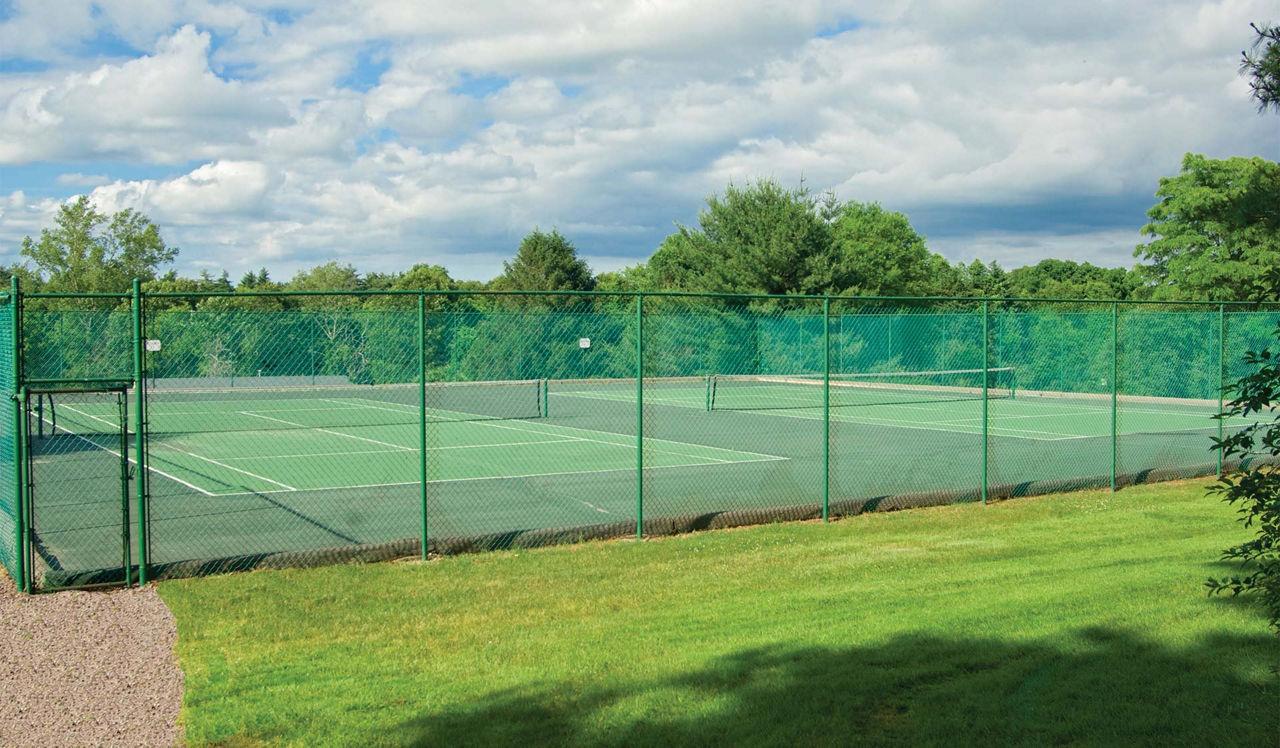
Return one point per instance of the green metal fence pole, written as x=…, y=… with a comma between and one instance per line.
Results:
x=986, y=365
x=639, y=416
x=1222, y=372
x=826, y=409
x=140, y=478
x=19, y=453
x=126, y=557
x=24, y=497
x=1115, y=386
x=422, y=414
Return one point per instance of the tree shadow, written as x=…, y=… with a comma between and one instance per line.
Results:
x=1098, y=686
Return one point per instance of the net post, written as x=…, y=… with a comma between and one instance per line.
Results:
x=986, y=377
x=422, y=415
x=639, y=416
x=140, y=478
x=826, y=409
x=19, y=442
x=1222, y=374
x=1115, y=386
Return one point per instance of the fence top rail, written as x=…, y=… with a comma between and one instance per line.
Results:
x=47, y=295
x=633, y=294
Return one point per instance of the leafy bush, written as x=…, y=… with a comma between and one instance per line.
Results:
x=1255, y=487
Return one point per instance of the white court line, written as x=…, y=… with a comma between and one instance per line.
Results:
x=325, y=431
x=132, y=461
x=631, y=470
x=761, y=457
x=401, y=451
x=630, y=444
x=165, y=444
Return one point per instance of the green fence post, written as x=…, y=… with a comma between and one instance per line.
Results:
x=1115, y=386
x=986, y=375
x=639, y=416
x=422, y=414
x=1222, y=372
x=139, y=421
x=19, y=452
x=826, y=409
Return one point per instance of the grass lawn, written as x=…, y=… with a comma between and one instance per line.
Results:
x=1070, y=619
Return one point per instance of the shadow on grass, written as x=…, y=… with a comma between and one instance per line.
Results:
x=1098, y=687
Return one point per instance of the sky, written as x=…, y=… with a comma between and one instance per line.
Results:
x=384, y=133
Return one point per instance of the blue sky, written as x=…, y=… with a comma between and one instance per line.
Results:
x=382, y=133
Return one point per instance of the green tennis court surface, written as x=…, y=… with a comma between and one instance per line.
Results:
x=1036, y=415
x=237, y=472
x=292, y=445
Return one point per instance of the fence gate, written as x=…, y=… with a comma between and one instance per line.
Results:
x=78, y=475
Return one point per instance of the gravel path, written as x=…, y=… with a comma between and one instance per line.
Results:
x=87, y=668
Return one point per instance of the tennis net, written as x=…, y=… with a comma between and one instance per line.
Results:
x=776, y=392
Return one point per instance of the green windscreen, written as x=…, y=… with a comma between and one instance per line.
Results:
x=775, y=392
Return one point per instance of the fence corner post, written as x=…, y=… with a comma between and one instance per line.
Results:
x=139, y=421
x=19, y=442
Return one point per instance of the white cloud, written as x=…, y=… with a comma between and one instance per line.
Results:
x=1110, y=248
x=612, y=120
x=167, y=107
x=77, y=179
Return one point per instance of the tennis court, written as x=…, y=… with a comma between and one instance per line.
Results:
x=286, y=430
x=307, y=467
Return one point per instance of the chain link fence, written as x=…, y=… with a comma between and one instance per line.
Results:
x=160, y=435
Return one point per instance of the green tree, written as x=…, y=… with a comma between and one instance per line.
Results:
x=1255, y=487
x=761, y=238
x=545, y=262
x=873, y=252
x=253, y=281
x=423, y=276
x=979, y=279
x=1065, y=279
x=1217, y=229
x=87, y=251
x=1262, y=66
x=327, y=277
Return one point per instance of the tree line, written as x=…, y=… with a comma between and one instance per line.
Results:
x=1214, y=235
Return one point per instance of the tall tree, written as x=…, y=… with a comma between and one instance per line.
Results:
x=545, y=262
x=87, y=251
x=423, y=276
x=761, y=238
x=1217, y=229
x=327, y=277
x=1262, y=66
x=873, y=252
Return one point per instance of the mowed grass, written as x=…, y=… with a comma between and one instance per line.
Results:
x=1070, y=619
